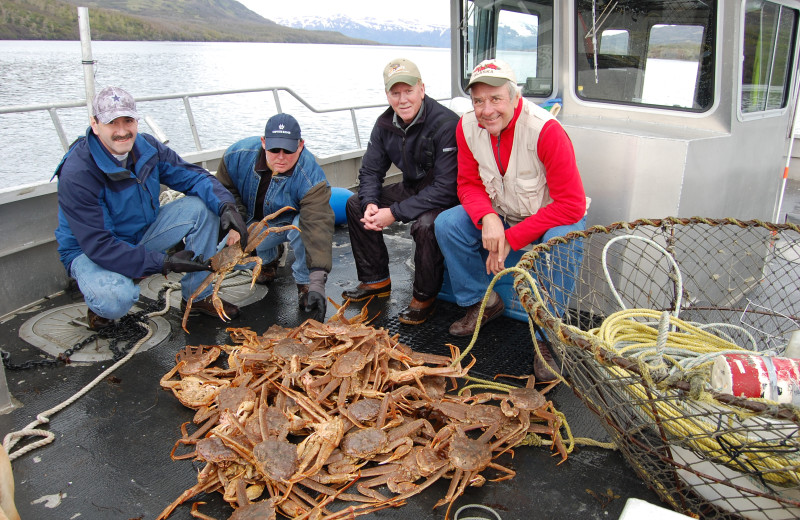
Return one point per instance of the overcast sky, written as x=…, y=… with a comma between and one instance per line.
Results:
x=426, y=11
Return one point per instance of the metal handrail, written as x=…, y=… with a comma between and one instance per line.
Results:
x=52, y=108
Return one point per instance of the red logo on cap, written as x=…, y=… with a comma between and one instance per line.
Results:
x=482, y=68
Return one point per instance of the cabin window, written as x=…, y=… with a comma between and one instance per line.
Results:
x=768, y=48
x=518, y=32
x=655, y=54
x=671, y=64
x=614, y=42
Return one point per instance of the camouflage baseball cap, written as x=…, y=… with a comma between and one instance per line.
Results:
x=113, y=102
x=400, y=70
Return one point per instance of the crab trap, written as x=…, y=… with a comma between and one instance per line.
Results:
x=641, y=315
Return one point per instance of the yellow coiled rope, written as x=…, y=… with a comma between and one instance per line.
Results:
x=773, y=457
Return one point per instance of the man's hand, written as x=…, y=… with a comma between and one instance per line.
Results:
x=496, y=262
x=494, y=241
x=182, y=262
x=376, y=219
x=233, y=237
x=230, y=218
x=316, y=303
x=316, y=295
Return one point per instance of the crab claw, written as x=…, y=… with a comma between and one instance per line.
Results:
x=256, y=271
x=217, y=301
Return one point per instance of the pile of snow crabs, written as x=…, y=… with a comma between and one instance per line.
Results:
x=341, y=419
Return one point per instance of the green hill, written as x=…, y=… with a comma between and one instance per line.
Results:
x=160, y=20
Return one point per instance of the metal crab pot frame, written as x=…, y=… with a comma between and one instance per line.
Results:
x=704, y=453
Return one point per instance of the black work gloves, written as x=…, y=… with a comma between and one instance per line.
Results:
x=316, y=295
x=182, y=262
x=230, y=218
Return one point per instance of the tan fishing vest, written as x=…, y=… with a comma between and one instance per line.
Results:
x=522, y=191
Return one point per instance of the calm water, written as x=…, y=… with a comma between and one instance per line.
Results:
x=327, y=76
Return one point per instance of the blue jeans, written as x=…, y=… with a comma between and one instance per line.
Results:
x=111, y=295
x=462, y=245
x=268, y=250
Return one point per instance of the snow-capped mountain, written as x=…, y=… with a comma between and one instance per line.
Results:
x=396, y=32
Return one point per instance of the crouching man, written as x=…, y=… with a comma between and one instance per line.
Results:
x=266, y=173
x=417, y=134
x=111, y=227
x=518, y=184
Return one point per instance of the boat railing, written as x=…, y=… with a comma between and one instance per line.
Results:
x=53, y=108
x=33, y=246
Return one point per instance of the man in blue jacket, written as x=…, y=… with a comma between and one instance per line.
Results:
x=418, y=135
x=266, y=173
x=111, y=227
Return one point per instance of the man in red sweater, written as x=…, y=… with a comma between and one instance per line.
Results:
x=518, y=184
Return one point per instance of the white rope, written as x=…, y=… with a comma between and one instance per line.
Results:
x=476, y=506
x=714, y=326
x=679, y=280
x=11, y=439
x=235, y=278
x=685, y=360
x=657, y=246
x=168, y=196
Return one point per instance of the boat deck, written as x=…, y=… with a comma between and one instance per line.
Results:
x=111, y=454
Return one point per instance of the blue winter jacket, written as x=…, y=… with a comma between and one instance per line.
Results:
x=105, y=209
x=304, y=188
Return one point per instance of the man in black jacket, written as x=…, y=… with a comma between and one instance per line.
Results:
x=417, y=134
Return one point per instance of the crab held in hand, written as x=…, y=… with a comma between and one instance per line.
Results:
x=224, y=262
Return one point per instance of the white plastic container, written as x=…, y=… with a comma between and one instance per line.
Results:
x=636, y=509
x=793, y=347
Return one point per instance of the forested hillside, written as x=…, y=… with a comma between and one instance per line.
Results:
x=181, y=20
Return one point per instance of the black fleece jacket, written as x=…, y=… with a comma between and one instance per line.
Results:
x=425, y=152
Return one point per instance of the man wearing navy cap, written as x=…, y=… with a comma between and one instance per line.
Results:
x=267, y=173
x=111, y=227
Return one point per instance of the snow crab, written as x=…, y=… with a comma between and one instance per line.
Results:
x=530, y=407
x=224, y=262
x=341, y=411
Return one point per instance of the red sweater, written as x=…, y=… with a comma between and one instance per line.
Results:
x=561, y=171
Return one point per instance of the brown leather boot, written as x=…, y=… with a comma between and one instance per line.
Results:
x=270, y=271
x=466, y=325
x=368, y=290
x=302, y=295
x=206, y=306
x=417, y=311
x=97, y=322
x=541, y=372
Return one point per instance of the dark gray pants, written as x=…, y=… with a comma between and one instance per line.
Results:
x=372, y=257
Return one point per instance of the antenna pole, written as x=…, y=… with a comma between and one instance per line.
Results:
x=86, y=56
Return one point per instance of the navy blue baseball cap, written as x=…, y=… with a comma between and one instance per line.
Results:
x=282, y=131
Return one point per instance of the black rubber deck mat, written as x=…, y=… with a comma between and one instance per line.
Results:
x=503, y=346
x=110, y=458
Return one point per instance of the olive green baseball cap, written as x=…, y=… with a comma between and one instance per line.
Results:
x=400, y=70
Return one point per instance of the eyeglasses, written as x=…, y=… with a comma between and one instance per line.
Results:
x=279, y=150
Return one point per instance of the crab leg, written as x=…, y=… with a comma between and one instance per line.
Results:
x=200, y=289
x=208, y=480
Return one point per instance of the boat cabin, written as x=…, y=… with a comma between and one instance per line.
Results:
x=675, y=107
